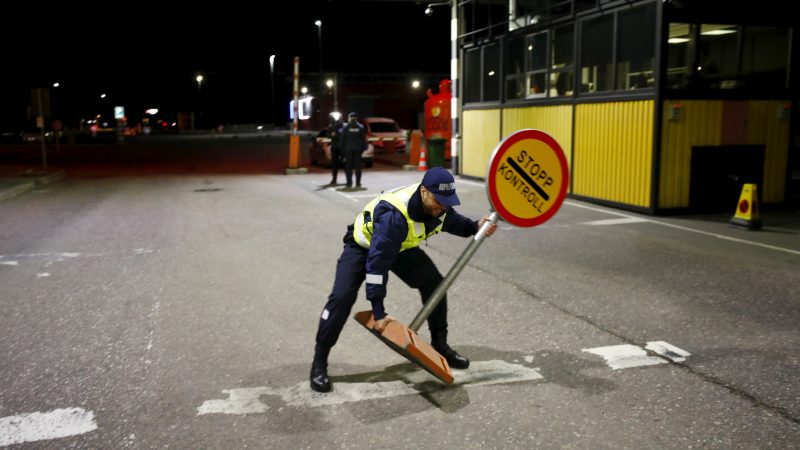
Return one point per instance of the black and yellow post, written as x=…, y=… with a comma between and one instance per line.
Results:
x=747, y=209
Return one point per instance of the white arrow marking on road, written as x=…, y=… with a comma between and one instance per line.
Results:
x=50, y=425
x=247, y=400
x=627, y=356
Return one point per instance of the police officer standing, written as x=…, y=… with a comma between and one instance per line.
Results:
x=334, y=128
x=353, y=143
x=386, y=236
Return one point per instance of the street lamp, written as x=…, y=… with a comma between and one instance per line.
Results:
x=199, y=79
x=272, y=87
x=318, y=23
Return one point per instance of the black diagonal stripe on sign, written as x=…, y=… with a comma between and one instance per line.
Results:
x=527, y=178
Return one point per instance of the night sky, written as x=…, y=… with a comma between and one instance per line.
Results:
x=145, y=55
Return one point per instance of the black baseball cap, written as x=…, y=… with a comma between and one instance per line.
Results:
x=441, y=183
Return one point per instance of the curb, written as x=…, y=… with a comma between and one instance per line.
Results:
x=28, y=181
x=13, y=191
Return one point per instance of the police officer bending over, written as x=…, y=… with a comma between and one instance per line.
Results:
x=386, y=236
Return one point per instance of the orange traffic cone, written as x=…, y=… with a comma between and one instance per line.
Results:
x=423, y=161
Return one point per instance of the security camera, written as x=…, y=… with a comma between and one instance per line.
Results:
x=429, y=11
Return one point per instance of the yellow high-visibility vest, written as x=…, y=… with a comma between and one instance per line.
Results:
x=363, y=226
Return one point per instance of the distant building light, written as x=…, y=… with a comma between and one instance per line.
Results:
x=56, y=84
x=304, y=90
x=304, y=108
x=152, y=111
x=260, y=127
x=415, y=84
x=491, y=73
x=102, y=95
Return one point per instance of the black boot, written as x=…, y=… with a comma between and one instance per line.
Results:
x=319, y=370
x=439, y=343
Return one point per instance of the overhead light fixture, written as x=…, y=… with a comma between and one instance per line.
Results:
x=678, y=40
x=717, y=32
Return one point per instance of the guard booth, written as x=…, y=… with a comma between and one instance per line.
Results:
x=661, y=106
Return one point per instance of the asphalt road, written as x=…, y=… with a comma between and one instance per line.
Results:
x=165, y=294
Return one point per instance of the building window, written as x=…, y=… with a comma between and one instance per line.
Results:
x=718, y=56
x=536, y=57
x=562, y=61
x=514, y=69
x=491, y=73
x=636, y=47
x=472, y=75
x=765, y=51
x=597, y=64
x=727, y=57
x=679, y=42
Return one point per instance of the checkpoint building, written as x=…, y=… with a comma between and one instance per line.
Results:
x=661, y=106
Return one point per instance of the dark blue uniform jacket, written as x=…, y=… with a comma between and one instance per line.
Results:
x=391, y=229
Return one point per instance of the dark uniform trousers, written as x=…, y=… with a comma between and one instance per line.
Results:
x=413, y=266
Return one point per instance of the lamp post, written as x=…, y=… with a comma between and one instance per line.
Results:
x=318, y=23
x=455, y=102
x=199, y=78
x=331, y=83
x=272, y=88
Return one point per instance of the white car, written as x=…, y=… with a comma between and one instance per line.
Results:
x=381, y=130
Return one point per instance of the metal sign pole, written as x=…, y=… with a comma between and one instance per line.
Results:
x=448, y=280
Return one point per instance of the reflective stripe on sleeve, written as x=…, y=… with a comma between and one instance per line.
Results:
x=373, y=278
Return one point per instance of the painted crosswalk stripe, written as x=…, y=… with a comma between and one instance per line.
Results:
x=626, y=356
x=39, y=426
x=667, y=350
x=248, y=400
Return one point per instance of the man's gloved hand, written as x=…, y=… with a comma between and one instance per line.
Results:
x=380, y=325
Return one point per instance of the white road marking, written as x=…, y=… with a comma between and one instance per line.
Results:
x=9, y=263
x=42, y=274
x=622, y=221
x=668, y=350
x=474, y=183
x=625, y=356
x=680, y=227
x=39, y=426
x=247, y=400
x=346, y=195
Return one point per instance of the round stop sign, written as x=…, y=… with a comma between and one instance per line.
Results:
x=527, y=178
